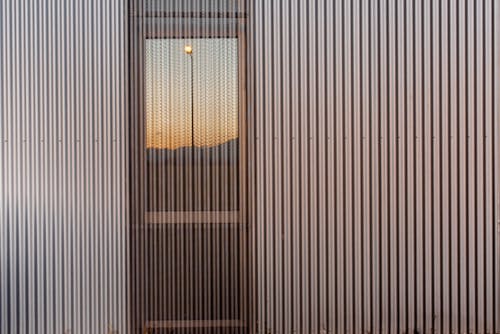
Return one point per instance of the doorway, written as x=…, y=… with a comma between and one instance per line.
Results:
x=188, y=233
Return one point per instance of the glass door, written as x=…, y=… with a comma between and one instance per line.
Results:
x=188, y=238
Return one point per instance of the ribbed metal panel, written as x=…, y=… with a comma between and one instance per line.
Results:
x=367, y=162
x=374, y=166
x=63, y=167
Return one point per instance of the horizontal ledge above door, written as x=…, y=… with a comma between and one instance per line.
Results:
x=165, y=324
x=191, y=15
x=192, y=217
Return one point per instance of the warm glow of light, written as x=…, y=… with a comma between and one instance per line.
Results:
x=170, y=115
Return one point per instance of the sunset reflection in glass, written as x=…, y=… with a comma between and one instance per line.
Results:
x=171, y=123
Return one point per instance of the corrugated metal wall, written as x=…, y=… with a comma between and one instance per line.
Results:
x=63, y=167
x=374, y=166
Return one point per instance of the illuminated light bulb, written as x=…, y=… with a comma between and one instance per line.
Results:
x=188, y=49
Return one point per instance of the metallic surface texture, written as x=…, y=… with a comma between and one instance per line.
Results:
x=359, y=194
x=63, y=167
x=374, y=165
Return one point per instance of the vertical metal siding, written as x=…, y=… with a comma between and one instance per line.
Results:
x=372, y=149
x=63, y=167
x=374, y=173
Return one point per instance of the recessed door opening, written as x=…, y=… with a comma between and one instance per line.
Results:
x=189, y=236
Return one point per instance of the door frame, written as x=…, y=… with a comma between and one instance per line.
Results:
x=142, y=27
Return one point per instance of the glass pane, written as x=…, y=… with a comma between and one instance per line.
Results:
x=192, y=124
